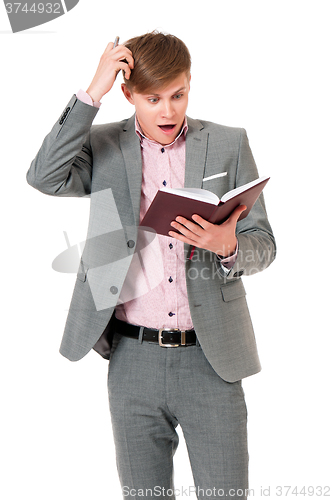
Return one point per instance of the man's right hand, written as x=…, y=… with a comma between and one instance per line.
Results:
x=111, y=62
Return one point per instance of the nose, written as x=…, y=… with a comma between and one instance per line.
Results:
x=168, y=109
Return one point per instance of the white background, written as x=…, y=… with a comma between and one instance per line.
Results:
x=261, y=65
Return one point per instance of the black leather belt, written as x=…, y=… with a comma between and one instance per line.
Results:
x=166, y=337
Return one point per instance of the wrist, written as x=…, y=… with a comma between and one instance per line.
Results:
x=94, y=94
x=228, y=251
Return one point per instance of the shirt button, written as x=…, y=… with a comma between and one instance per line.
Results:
x=130, y=244
x=170, y=246
x=162, y=150
x=170, y=279
x=171, y=314
x=164, y=183
x=114, y=290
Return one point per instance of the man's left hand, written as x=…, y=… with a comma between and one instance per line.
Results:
x=218, y=238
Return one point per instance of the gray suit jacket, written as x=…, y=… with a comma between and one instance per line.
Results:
x=104, y=162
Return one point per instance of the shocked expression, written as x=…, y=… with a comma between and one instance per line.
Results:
x=161, y=113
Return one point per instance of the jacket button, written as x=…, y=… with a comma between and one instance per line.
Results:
x=114, y=290
x=131, y=243
x=238, y=273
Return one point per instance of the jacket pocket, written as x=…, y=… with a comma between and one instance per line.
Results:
x=232, y=290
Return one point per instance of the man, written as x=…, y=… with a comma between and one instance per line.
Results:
x=169, y=312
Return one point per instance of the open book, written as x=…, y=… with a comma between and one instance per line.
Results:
x=169, y=203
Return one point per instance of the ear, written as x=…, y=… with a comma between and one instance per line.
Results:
x=127, y=93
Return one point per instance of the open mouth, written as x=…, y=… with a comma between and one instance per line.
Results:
x=167, y=128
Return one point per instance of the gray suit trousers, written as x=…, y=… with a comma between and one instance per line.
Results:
x=153, y=389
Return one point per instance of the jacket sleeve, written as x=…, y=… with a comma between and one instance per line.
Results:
x=63, y=165
x=257, y=247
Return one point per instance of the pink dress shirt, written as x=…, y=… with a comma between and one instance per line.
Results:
x=154, y=293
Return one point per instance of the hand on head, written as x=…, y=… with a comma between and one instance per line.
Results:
x=113, y=60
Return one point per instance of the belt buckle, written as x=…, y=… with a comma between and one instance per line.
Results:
x=160, y=337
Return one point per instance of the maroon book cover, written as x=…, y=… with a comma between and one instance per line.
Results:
x=166, y=206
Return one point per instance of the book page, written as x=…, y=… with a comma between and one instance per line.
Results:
x=241, y=189
x=194, y=194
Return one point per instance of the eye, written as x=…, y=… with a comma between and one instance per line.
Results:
x=153, y=100
x=177, y=96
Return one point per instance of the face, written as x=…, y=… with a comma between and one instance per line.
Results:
x=161, y=113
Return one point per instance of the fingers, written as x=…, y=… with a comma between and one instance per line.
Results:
x=187, y=227
x=182, y=238
x=116, y=59
x=200, y=225
x=119, y=53
x=124, y=66
x=202, y=222
x=236, y=213
x=109, y=47
x=124, y=55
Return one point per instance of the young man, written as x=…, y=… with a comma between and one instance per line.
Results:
x=176, y=329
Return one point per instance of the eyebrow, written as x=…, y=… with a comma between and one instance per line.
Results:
x=176, y=92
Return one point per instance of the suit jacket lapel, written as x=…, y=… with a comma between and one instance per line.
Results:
x=131, y=151
x=196, y=148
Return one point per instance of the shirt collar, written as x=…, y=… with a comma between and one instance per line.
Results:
x=142, y=137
